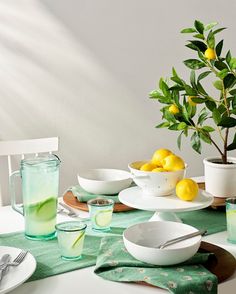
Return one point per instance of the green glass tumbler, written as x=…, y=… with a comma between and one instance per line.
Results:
x=231, y=219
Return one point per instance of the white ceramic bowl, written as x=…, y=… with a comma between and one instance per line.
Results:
x=140, y=241
x=155, y=183
x=104, y=181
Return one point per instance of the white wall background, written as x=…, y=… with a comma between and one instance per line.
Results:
x=82, y=70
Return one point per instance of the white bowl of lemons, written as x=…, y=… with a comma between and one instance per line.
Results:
x=158, y=176
x=142, y=241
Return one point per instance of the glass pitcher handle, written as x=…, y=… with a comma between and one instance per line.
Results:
x=16, y=207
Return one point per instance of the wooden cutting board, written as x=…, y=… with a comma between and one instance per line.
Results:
x=218, y=202
x=72, y=201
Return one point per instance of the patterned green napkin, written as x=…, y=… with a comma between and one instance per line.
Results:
x=84, y=196
x=47, y=254
x=116, y=264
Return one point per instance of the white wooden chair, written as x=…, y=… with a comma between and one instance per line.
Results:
x=23, y=147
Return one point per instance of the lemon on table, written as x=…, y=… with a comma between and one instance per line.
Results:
x=158, y=169
x=173, y=163
x=173, y=109
x=149, y=166
x=103, y=218
x=210, y=54
x=187, y=189
x=159, y=155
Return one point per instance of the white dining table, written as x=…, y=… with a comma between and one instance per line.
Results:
x=84, y=280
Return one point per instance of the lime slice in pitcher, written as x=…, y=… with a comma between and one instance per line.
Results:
x=46, y=210
x=103, y=218
x=78, y=240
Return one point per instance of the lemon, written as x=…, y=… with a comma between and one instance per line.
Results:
x=159, y=155
x=173, y=163
x=158, y=169
x=148, y=166
x=103, y=218
x=187, y=189
x=210, y=54
x=190, y=101
x=173, y=109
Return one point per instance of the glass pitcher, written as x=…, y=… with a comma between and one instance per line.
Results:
x=40, y=182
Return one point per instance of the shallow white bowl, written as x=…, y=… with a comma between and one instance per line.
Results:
x=141, y=239
x=104, y=181
x=155, y=183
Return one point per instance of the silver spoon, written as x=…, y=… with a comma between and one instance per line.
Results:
x=181, y=238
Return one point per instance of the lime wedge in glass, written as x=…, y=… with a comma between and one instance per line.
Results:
x=103, y=218
x=78, y=240
x=46, y=210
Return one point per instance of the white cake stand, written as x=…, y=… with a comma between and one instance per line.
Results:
x=166, y=206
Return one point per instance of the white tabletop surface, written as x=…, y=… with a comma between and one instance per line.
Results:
x=84, y=280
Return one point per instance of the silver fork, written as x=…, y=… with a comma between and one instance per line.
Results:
x=18, y=260
x=70, y=212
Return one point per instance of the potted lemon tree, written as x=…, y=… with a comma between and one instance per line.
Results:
x=192, y=110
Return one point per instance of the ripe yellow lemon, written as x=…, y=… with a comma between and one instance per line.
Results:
x=159, y=155
x=173, y=109
x=173, y=163
x=210, y=54
x=187, y=189
x=158, y=169
x=148, y=166
x=190, y=101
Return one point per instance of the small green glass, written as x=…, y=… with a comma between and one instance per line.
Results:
x=100, y=210
x=70, y=236
x=231, y=219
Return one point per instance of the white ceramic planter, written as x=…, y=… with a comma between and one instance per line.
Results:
x=220, y=179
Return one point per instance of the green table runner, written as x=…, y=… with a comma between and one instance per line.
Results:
x=116, y=264
x=47, y=254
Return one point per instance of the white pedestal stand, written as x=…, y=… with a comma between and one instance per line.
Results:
x=166, y=206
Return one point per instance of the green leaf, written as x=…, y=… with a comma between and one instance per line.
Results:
x=155, y=94
x=232, y=63
x=177, y=80
x=193, y=78
x=218, y=31
x=233, y=92
x=162, y=125
x=228, y=57
x=169, y=116
x=179, y=140
x=220, y=65
x=216, y=116
x=219, y=47
x=210, y=26
x=218, y=85
x=196, y=143
x=210, y=105
x=227, y=122
x=208, y=129
x=203, y=75
x=165, y=89
x=190, y=91
x=205, y=138
x=211, y=40
x=232, y=146
x=194, y=64
x=173, y=127
x=201, y=89
x=223, y=73
x=229, y=81
x=198, y=100
x=188, y=30
x=199, y=36
x=182, y=126
x=199, y=26
x=202, y=116
x=199, y=45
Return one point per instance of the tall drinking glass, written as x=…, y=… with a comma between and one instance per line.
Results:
x=231, y=219
x=40, y=181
